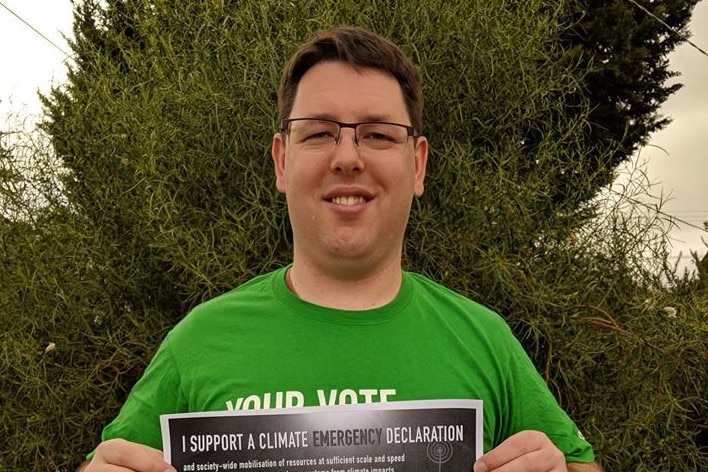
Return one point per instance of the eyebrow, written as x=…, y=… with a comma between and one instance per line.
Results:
x=364, y=119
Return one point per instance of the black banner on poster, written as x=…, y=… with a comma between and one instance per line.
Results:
x=412, y=436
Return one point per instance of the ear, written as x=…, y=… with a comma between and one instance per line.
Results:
x=420, y=162
x=277, y=152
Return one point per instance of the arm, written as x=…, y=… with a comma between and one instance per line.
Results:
x=529, y=451
x=129, y=456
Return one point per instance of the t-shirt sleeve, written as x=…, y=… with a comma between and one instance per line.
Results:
x=157, y=392
x=533, y=407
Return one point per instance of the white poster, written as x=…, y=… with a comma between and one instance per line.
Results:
x=412, y=436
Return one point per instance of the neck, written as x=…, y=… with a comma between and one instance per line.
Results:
x=345, y=290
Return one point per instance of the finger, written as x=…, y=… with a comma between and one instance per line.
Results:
x=542, y=460
x=129, y=456
x=108, y=468
x=526, y=445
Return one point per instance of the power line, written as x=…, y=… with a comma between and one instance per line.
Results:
x=645, y=205
x=33, y=29
x=685, y=38
x=690, y=214
x=680, y=256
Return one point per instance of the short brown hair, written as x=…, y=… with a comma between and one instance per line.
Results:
x=357, y=47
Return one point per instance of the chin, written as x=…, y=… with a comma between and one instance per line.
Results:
x=348, y=248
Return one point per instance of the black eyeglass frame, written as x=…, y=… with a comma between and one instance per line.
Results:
x=412, y=132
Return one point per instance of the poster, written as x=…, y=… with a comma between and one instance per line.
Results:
x=421, y=436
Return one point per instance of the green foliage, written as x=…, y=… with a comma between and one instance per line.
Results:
x=163, y=196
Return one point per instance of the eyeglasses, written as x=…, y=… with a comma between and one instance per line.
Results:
x=320, y=135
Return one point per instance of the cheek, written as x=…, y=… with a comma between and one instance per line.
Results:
x=293, y=180
x=299, y=182
x=303, y=174
x=402, y=176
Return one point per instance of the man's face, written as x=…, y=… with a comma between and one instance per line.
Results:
x=348, y=207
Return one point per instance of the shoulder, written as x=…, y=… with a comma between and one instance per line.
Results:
x=463, y=318
x=249, y=299
x=256, y=289
x=432, y=293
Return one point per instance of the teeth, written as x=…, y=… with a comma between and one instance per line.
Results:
x=348, y=201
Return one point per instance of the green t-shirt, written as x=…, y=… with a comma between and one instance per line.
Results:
x=260, y=346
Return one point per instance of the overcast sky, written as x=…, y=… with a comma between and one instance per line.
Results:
x=678, y=155
x=676, y=160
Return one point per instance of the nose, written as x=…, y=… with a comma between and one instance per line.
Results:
x=346, y=155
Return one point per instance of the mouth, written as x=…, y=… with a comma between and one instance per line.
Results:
x=349, y=200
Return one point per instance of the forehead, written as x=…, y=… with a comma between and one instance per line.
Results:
x=337, y=90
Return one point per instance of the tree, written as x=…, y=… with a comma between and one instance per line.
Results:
x=621, y=48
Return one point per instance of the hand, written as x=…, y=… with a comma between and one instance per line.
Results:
x=527, y=451
x=119, y=455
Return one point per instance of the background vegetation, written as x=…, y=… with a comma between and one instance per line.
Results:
x=153, y=191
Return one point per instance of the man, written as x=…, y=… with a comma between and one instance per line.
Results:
x=344, y=323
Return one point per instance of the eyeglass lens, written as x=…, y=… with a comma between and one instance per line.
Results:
x=324, y=135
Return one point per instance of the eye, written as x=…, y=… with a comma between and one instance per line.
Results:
x=314, y=131
x=373, y=136
x=320, y=135
x=380, y=134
